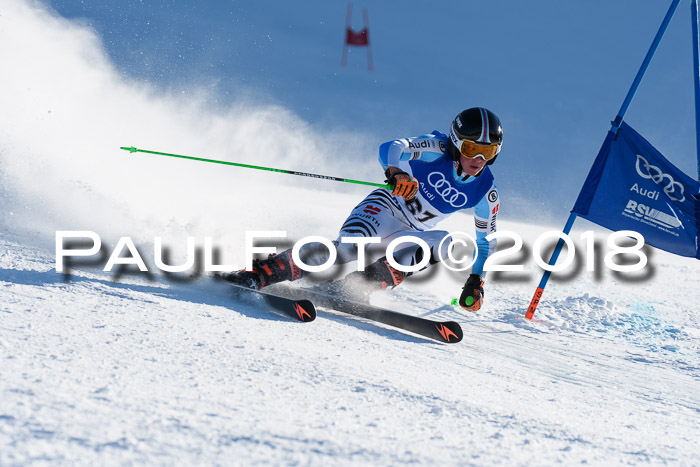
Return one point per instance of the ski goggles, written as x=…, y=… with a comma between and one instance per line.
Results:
x=471, y=149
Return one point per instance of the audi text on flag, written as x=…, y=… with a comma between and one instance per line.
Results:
x=632, y=186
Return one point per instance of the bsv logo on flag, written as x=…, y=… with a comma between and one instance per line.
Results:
x=447, y=192
x=651, y=216
x=648, y=171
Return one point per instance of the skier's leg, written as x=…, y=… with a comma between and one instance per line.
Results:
x=381, y=274
x=374, y=216
x=438, y=242
x=276, y=268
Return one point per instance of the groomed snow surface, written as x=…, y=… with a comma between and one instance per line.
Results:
x=100, y=371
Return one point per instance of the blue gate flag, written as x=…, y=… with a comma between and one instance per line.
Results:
x=632, y=186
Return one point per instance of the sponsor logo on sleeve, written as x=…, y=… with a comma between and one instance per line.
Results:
x=422, y=144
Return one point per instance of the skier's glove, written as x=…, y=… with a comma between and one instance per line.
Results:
x=472, y=293
x=404, y=185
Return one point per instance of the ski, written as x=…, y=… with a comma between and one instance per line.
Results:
x=444, y=331
x=301, y=309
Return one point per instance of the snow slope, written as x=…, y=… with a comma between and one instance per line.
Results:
x=99, y=371
x=113, y=370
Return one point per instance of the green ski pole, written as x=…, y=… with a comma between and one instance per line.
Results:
x=247, y=166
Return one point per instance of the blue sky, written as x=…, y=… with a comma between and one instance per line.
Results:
x=556, y=72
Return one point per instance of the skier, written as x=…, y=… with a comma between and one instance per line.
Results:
x=434, y=175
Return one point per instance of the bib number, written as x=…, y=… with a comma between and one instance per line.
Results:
x=416, y=209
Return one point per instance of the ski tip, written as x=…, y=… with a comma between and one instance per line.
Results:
x=131, y=149
x=305, y=310
x=450, y=332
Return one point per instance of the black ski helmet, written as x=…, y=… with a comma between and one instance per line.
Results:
x=476, y=124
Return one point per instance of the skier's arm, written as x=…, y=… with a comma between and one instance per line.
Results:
x=393, y=157
x=485, y=224
x=400, y=152
x=395, y=154
x=485, y=213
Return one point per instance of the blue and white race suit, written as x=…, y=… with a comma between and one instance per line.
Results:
x=442, y=192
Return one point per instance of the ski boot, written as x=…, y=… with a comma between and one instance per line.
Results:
x=359, y=285
x=274, y=269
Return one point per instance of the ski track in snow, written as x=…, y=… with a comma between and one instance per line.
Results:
x=98, y=371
